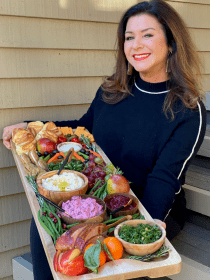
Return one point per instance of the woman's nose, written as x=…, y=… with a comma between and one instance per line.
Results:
x=137, y=43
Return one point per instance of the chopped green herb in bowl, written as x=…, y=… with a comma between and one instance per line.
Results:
x=140, y=237
x=142, y=234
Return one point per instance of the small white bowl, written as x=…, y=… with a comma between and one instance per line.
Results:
x=68, y=145
x=140, y=249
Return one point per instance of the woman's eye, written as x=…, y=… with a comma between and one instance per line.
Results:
x=129, y=38
x=148, y=35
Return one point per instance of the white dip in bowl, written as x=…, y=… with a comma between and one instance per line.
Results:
x=63, y=182
x=66, y=146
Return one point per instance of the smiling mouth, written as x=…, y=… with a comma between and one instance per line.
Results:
x=139, y=57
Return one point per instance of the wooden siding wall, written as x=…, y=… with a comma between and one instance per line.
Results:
x=53, y=56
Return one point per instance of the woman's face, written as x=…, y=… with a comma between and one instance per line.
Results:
x=146, y=47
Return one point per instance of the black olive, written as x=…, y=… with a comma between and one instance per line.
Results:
x=39, y=154
x=55, y=152
x=46, y=153
x=82, y=151
x=86, y=161
x=87, y=153
x=60, y=157
x=51, y=155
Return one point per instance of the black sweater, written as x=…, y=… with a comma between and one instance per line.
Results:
x=152, y=151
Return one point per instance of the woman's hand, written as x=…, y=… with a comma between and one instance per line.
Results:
x=160, y=223
x=7, y=133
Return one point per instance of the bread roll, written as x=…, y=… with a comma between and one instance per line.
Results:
x=24, y=140
x=35, y=126
x=47, y=134
x=49, y=126
x=21, y=136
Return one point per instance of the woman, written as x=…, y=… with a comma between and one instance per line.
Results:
x=148, y=116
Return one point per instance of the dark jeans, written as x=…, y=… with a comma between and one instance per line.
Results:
x=41, y=267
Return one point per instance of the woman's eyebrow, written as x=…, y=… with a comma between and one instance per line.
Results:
x=141, y=30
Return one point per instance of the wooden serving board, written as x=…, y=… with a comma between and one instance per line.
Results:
x=117, y=270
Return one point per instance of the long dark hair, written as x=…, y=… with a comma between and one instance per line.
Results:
x=183, y=63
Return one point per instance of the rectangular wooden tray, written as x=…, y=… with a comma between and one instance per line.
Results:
x=118, y=270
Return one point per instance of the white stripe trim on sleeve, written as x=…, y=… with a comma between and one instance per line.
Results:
x=196, y=141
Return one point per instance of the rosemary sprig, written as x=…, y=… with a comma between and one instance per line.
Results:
x=163, y=251
x=32, y=181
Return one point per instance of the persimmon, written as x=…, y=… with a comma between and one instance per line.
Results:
x=115, y=248
x=102, y=256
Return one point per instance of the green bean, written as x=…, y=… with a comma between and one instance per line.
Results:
x=49, y=226
x=53, y=225
x=113, y=220
x=95, y=186
x=69, y=226
x=44, y=226
x=96, y=192
x=60, y=229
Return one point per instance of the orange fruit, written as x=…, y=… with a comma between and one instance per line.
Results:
x=114, y=246
x=102, y=256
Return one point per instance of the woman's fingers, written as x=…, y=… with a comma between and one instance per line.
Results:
x=7, y=133
x=160, y=223
x=7, y=144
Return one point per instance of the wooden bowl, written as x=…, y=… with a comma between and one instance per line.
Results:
x=57, y=196
x=97, y=219
x=140, y=249
x=77, y=147
x=123, y=212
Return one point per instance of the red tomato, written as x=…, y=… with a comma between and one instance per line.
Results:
x=83, y=146
x=75, y=139
x=61, y=140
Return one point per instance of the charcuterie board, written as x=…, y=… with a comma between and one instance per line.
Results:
x=119, y=269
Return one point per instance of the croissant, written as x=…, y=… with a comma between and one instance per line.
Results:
x=50, y=131
x=24, y=140
x=47, y=134
x=35, y=127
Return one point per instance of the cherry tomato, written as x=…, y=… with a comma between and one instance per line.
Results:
x=83, y=146
x=76, y=140
x=61, y=140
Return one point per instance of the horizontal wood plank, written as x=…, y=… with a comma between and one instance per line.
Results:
x=14, y=236
x=204, y=149
x=206, y=82
x=53, y=91
x=10, y=182
x=198, y=177
x=100, y=11
x=192, y=270
x=14, y=208
x=193, y=1
x=51, y=113
x=194, y=15
x=24, y=32
x=6, y=155
x=22, y=93
x=32, y=63
x=201, y=38
x=194, y=237
x=192, y=252
x=198, y=200
x=6, y=260
x=88, y=10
